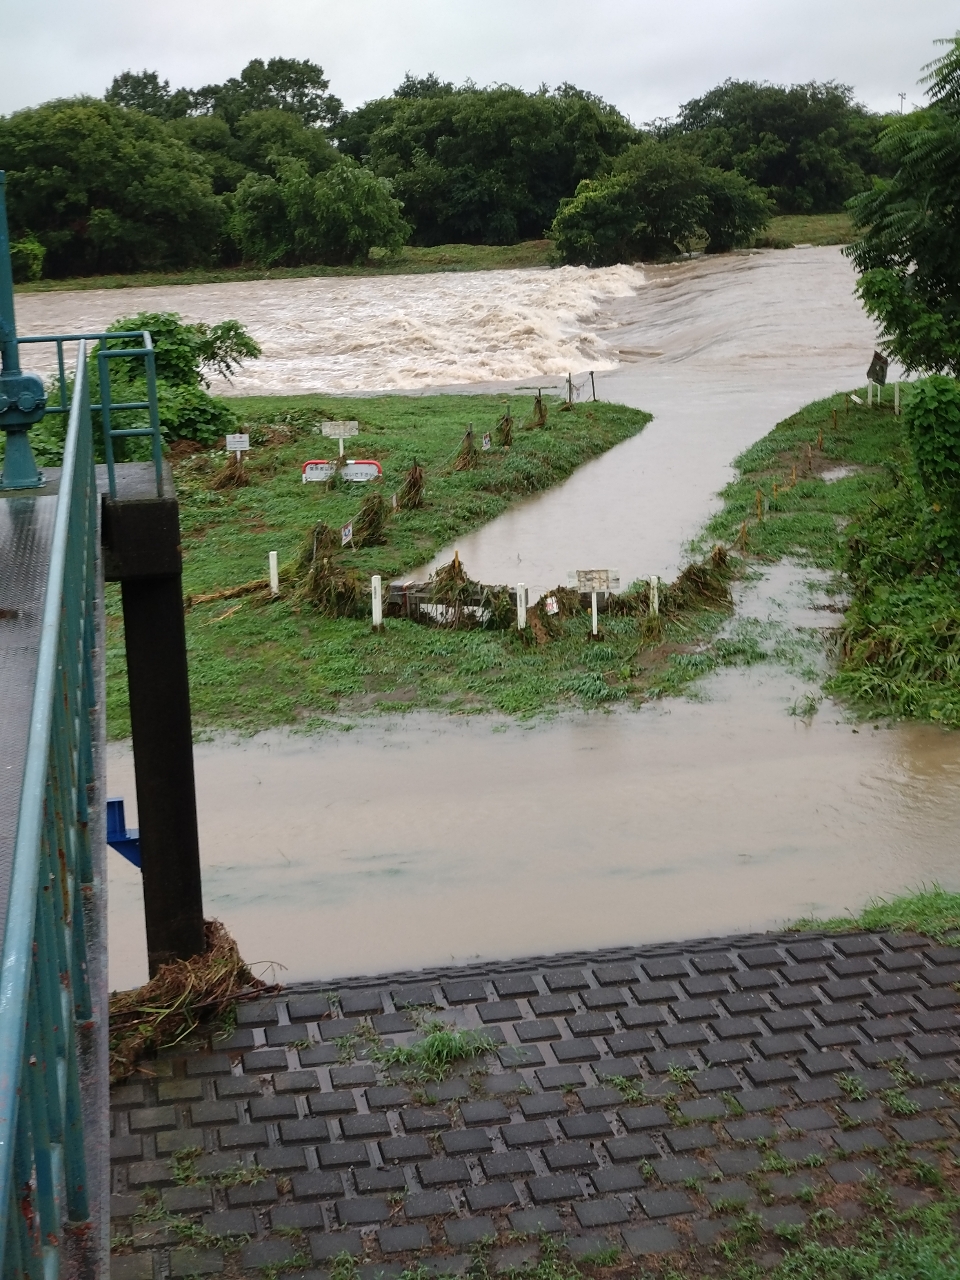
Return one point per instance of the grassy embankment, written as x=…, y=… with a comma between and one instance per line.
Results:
x=823, y=228
x=257, y=663
x=899, y=646
x=931, y=911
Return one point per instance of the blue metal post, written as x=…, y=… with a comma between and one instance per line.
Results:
x=22, y=396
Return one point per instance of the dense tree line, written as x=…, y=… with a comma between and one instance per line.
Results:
x=268, y=168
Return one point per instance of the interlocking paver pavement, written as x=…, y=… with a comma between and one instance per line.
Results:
x=631, y=1099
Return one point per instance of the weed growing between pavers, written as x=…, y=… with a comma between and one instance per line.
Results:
x=435, y=1056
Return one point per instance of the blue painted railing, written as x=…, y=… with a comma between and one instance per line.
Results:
x=107, y=406
x=44, y=991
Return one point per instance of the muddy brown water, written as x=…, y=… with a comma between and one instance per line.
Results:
x=426, y=839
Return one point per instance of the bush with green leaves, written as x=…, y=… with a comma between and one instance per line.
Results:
x=335, y=217
x=908, y=254
x=658, y=201
x=185, y=355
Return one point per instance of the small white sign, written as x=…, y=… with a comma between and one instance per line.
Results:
x=550, y=604
x=346, y=534
x=360, y=469
x=318, y=469
x=340, y=430
x=394, y=503
x=486, y=440
x=238, y=443
x=598, y=579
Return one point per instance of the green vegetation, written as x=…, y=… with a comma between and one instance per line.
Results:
x=409, y=260
x=258, y=662
x=908, y=255
x=435, y=1056
x=658, y=200
x=267, y=169
x=806, y=228
x=931, y=911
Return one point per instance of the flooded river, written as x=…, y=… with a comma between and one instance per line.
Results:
x=424, y=839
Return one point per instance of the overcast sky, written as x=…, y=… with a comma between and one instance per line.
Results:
x=647, y=56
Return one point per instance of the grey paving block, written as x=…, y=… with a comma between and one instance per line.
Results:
x=569, y=1155
x=254, y=1193
x=428, y=1204
x=491, y=1195
x=179, y=1090
x=727, y=1053
x=730, y=1194
x=338, y=1103
x=772, y=1072
x=804, y=1148
x=520, y=1055
x=187, y=1199
x=377, y=1181
x=371, y=1125
x=780, y=1045
x=147, y=1119
x=793, y=1184
x=271, y=1108
x=569, y=1077
x=462, y=1232
x=635, y=1119
x=183, y=1262
x=662, y=1061
x=616, y=1178
x=340, y=1155
x=715, y=1078
x=603, y=998
x=551, y=1005
x=237, y=1087
x=589, y=1247
x=768, y=1099
x=230, y=1223
x=297, y=1217
x=540, y=1029
x=465, y=991
x=531, y=1222
x=681, y=1035
x=506, y=1164
x=860, y=1140
x=565, y=979
x=552, y=1187
x=750, y=1129
x=737, y=1162
x=648, y=1015
x=824, y=1062
x=705, y=985
x=871, y=1109
x=339, y=1028
x=139, y=1266
x=499, y=1011
x=265, y=1060
x=924, y=1129
x=157, y=1173
x=403, y=1239
x=537, y=1106
x=313, y=1129
x=282, y=1159
x=694, y=1138
x=782, y=1215
x=415, y=1120
x=586, y=1125
x=325, y=1186
x=673, y=1169
x=436, y=1173
x=515, y=984
x=663, y=1204
x=600, y=1213
x=327, y=1247
x=626, y=1042
x=362, y=1211
x=636, y=1146
x=127, y=1147
x=643, y=1241
x=413, y=995
x=809, y=1119
x=580, y=1050
x=530, y=1133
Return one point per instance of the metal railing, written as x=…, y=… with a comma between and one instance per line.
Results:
x=44, y=991
x=107, y=406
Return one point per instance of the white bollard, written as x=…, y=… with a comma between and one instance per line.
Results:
x=274, y=571
x=593, y=612
x=376, y=601
x=654, y=596
x=521, y=606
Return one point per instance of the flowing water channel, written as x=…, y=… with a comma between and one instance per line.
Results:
x=427, y=839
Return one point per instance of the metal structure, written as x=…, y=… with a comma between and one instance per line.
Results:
x=44, y=991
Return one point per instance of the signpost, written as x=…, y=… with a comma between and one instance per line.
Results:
x=376, y=601
x=346, y=534
x=340, y=431
x=238, y=444
x=357, y=470
x=595, y=581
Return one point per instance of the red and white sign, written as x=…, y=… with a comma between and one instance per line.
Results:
x=355, y=469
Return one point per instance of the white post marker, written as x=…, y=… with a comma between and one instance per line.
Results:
x=593, y=612
x=340, y=430
x=521, y=606
x=896, y=398
x=654, y=594
x=376, y=601
x=869, y=394
x=238, y=444
x=274, y=570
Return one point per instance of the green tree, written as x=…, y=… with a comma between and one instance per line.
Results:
x=146, y=92
x=656, y=203
x=106, y=189
x=335, y=217
x=186, y=355
x=908, y=255
x=283, y=84
x=485, y=166
x=809, y=145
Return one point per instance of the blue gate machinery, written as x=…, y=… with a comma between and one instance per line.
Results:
x=63, y=533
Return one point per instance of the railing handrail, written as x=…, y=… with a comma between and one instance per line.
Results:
x=107, y=406
x=41, y=970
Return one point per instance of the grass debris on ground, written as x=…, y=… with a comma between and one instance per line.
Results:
x=932, y=911
x=258, y=662
x=169, y=1008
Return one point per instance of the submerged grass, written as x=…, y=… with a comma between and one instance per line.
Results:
x=257, y=662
